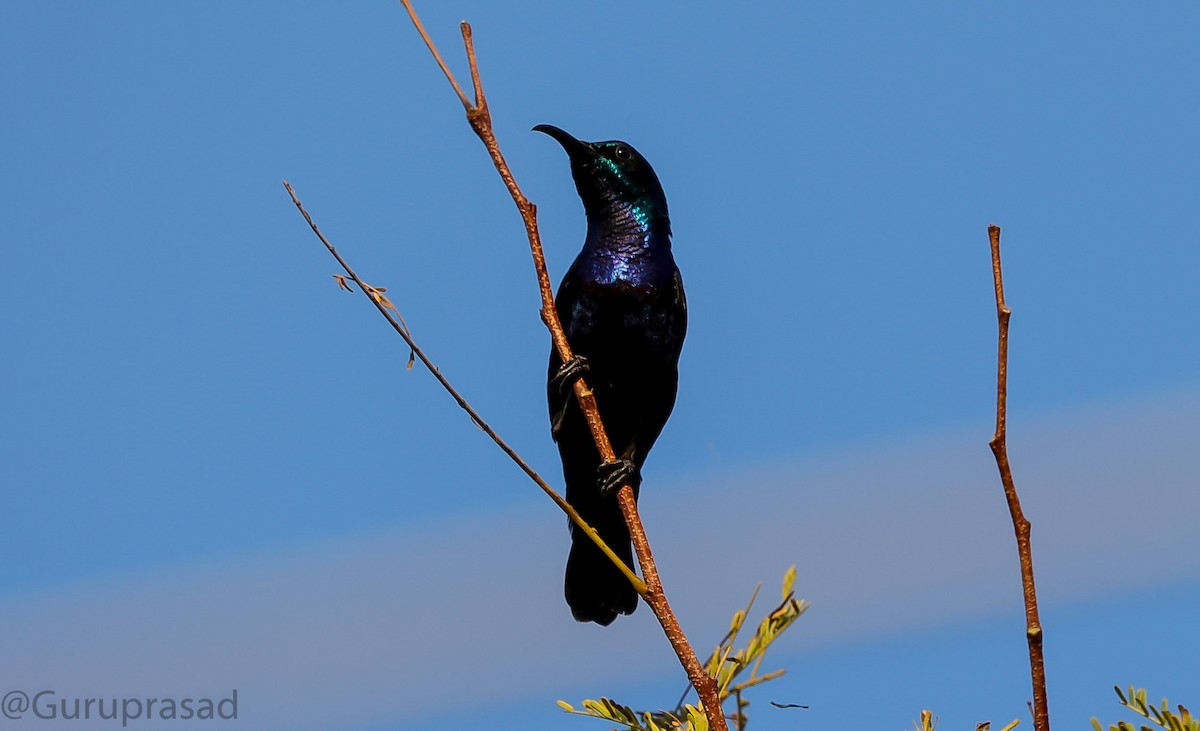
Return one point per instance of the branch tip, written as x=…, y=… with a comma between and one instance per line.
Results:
x=1021, y=527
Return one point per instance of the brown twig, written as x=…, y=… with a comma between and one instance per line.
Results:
x=480, y=120
x=437, y=56
x=998, y=443
x=389, y=311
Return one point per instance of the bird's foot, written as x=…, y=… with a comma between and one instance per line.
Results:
x=617, y=473
x=570, y=372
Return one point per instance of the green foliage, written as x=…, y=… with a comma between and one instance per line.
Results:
x=1135, y=700
x=726, y=664
x=929, y=723
x=686, y=717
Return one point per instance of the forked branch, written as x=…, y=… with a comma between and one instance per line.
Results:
x=480, y=120
x=998, y=443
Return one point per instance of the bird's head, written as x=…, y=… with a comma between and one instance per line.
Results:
x=614, y=180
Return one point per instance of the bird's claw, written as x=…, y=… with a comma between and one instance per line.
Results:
x=617, y=473
x=570, y=372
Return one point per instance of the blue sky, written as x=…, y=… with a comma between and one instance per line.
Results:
x=218, y=473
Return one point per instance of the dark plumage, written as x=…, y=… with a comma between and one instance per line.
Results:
x=623, y=310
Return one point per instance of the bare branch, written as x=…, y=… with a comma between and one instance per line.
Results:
x=998, y=443
x=389, y=311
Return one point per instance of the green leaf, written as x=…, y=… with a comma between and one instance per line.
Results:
x=596, y=707
x=789, y=580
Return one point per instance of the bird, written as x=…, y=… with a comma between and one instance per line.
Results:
x=624, y=314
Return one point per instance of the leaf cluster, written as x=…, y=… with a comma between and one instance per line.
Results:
x=1162, y=716
x=727, y=664
x=928, y=722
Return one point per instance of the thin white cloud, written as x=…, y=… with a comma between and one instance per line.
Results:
x=887, y=537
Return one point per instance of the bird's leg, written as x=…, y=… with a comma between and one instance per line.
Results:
x=562, y=382
x=560, y=416
x=621, y=471
x=570, y=372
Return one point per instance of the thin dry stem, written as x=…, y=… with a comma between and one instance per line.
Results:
x=437, y=56
x=389, y=311
x=479, y=118
x=998, y=443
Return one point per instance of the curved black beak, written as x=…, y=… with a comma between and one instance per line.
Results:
x=574, y=147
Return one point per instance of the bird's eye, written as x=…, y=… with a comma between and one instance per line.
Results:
x=622, y=152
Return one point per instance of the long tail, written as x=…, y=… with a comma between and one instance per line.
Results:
x=595, y=589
